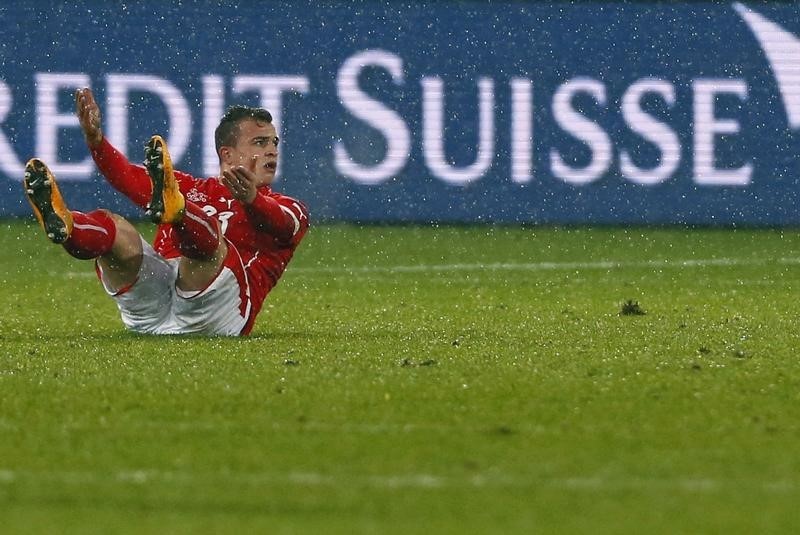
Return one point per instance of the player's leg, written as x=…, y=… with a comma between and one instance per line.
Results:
x=121, y=264
x=198, y=235
x=224, y=307
x=139, y=279
x=97, y=234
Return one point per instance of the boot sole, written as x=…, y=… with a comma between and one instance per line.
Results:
x=39, y=189
x=154, y=163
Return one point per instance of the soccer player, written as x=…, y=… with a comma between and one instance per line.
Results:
x=221, y=245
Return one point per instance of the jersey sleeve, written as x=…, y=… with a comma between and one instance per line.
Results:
x=129, y=179
x=283, y=217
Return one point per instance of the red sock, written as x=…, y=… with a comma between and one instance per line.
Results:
x=197, y=234
x=92, y=234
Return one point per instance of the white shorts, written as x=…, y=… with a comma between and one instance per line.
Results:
x=154, y=304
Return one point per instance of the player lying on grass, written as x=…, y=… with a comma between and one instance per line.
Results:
x=222, y=243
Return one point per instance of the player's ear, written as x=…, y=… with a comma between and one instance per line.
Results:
x=225, y=155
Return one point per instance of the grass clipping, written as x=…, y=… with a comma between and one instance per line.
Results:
x=631, y=308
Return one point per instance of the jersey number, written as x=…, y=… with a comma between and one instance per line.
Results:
x=223, y=217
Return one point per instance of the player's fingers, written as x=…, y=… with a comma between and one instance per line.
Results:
x=244, y=174
x=80, y=105
x=229, y=181
x=88, y=113
x=82, y=99
x=236, y=177
x=233, y=183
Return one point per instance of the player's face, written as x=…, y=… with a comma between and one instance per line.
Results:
x=256, y=149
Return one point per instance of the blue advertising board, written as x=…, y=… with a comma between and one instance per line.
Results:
x=503, y=111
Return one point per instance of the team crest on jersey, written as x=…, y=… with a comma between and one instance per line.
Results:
x=196, y=196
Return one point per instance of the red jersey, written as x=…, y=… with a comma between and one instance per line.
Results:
x=264, y=233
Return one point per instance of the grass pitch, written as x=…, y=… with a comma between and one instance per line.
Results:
x=408, y=380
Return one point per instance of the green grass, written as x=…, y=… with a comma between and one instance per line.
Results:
x=418, y=380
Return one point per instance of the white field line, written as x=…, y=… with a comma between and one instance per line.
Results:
x=491, y=479
x=550, y=266
x=488, y=479
x=522, y=266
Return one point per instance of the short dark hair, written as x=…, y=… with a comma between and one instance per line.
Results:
x=227, y=132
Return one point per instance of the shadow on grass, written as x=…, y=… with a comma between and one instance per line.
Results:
x=64, y=339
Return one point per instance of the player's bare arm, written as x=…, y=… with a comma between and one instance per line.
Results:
x=89, y=116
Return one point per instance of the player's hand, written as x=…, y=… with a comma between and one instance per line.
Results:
x=241, y=182
x=89, y=116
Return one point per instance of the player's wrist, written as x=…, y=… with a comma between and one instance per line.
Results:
x=94, y=140
x=251, y=200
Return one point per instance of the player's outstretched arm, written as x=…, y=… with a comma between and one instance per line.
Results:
x=89, y=116
x=131, y=180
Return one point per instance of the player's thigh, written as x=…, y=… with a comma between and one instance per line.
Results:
x=122, y=263
x=146, y=304
x=222, y=308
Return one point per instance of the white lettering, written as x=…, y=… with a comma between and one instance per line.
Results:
x=213, y=109
x=706, y=126
x=179, y=119
x=375, y=114
x=652, y=130
x=521, y=130
x=433, y=135
x=582, y=128
x=49, y=121
x=9, y=162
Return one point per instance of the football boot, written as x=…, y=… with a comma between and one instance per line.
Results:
x=45, y=198
x=167, y=204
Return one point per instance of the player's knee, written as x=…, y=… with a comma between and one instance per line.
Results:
x=108, y=217
x=127, y=240
x=124, y=226
x=118, y=219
